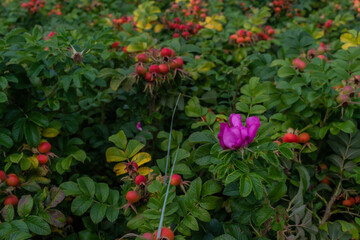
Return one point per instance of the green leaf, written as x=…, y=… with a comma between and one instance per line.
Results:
x=7, y=213
x=194, y=109
x=38, y=225
x=347, y=126
x=195, y=189
x=112, y=214
x=25, y=205
x=286, y=71
x=263, y=214
x=87, y=186
x=253, y=82
x=6, y=141
x=57, y=195
x=39, y=119
x=257, y=109
x=210, y=202
x=191, y=223
x=79, y=155
x=257, y=186
x=201, y=214
x=119, y=140
x=97, y=212
x=70, y=188
x=245, y=186
x=133, y=148
x=25, y=164
x=32, y=134
x=201, y=137
x=3, y=97
x=232, y=177
x=80, y=205
x=113, y=198
x=54, y=217
x=66, y=162
x=211, y=187
x=286, y=152
x=102, y=191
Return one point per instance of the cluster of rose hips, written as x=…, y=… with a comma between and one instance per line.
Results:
x=243, y=37
x=348, y=89
x=280, y=5
x=319, y=53
x=349, y=202
x=56, y=10
x=33, y=5
x=11, y=180
x=195, y=9
x=356, y=5
x=44, y=153
x=118, y=22
x=291, y=137
x=155, y=67
x=184, y=29
x=166, y=233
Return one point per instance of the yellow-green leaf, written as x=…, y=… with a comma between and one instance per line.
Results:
x=114, y=154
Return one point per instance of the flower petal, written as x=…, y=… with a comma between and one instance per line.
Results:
x=232, y=137
x=235, y=120
x=221, y=135
x=252, y=125
x=244, y=136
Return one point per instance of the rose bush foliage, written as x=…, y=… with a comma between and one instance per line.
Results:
x=185, y=119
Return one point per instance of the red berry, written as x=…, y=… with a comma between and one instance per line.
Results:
x=297, y=62
x=326, y=180
x=290, y=138
x=142, y=57
x=163, y=68
x=166, y=52
x=304, y=137
x=125, y=50
x=328, y=23
x=357, y=199
x=148, y=77
x=132, y=197
x=185, y=34
x=12, y=179
x=115, y=44
x=141, y=70
x=342, y=98
x=135, y=165
x=352, y=200
x=43, y=159
x=44, y=147
x=277, y=9
x=271, y=32
x=140, y=179
x=148, y=236
x=2, y=176
x=347, y=203
x=165, y=233
x=175, y=180
x=179, y=62
x=12, y=199
x=154, y=69
x=176, y=35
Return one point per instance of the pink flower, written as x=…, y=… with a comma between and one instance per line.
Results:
x=236, y=135
x=138, y=126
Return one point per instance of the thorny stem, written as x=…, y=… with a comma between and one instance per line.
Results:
x=328, y=213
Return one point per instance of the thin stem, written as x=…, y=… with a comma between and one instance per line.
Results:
x=166, y=196
x=170, y=136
